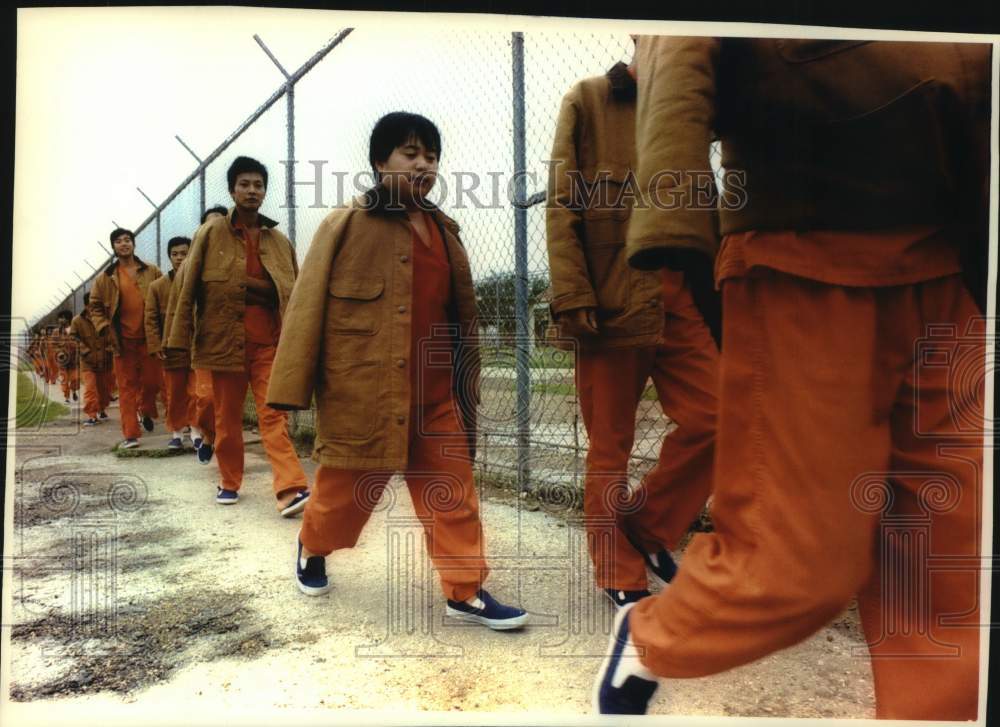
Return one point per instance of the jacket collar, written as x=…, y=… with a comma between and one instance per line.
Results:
x=110, y=270
x=623, y=86
x=265, y=221
x=375, y=202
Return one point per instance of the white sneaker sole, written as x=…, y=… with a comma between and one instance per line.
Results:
x=312, y=590
x=130, y=446
x=497, y=624
x=226, y=502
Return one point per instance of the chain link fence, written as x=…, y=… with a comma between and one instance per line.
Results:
x=495, y=97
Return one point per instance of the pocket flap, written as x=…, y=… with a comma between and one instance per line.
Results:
x=357, y=288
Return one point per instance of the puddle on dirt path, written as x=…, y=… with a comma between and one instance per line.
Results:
x=143, y=644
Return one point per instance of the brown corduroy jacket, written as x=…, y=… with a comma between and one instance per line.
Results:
x=95, y=346
x=211, y=294
x=159, y=315
x=347, y=337
x=105, y=296
x=815, y=134
x=590, y=183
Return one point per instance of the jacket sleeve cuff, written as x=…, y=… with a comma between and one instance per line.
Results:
x=571, y=301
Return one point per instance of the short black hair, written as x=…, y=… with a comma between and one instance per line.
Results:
x=395, y=129
x=177, y=242
x=244, y=165
x=219, y=208
x=65, y=314
x=119, y=231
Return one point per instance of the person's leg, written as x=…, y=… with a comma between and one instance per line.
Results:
x=129, y=388
x=920, y=609
x=91, y=395
x=441, y=485
x=205, y=409
x=152, y=382
x=339, y=505
x=105, y=384
x=609, y=384
x=229, y=389
x=176, y=391
x=289, y=477
x=686, y=376
x=796, y=427
x=190, y=399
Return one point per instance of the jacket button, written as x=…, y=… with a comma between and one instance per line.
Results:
x=401, y=363
x=404, y=259
x=400, y=420
x=402, y=309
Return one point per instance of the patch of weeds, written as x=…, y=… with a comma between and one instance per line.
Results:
x=146, y=644
x=151, y=453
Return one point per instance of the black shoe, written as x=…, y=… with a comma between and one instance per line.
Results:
x=76, y=397
x=623, y=684
x=310, y=573
x=661, y=563
x=623, y=598
x=103, y=415
x=147, y=423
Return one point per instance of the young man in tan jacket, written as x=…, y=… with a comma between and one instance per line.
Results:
x=118, y=299
x=96, y=364
x=851, y=415
x=177, y=373
x=240, y=272
x=627, y=326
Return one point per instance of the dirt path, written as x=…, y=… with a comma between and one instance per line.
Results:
x=132, y=592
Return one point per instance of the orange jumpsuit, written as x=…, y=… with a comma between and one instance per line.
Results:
x=138, y=373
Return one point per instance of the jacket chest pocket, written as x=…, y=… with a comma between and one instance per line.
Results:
x=355, y=304
x=218, y=266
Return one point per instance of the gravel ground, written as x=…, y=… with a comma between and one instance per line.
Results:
x=132, y=593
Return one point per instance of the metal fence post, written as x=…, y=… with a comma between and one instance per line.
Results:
x=521, y=351
x=159, y=250
x=290, y=167
x=201, y=192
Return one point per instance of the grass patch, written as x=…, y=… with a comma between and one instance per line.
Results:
x=542, y=357
x=566, y=389
x=33, y=407
x=151, y=453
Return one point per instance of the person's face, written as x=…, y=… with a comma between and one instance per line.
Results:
x=177, y=255
x=123, y=245
x=410, y=171
x=248, y=192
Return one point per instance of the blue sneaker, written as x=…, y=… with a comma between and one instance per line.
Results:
x=147, y=422
x=175, y=443
x=310, y=573
x=227, y=497
x=625, y=598
x=488, y=612
x=129, y=444
x=196, y=443
x=661, y=563
x=623, y=684
x=205, y=453
x=91, y=422
x=297, y=505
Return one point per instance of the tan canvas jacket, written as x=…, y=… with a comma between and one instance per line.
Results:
x=105, y=295
x=159, y=316
x=95, y=347
x=211, y=295
x=347, y=337
x=592, y=162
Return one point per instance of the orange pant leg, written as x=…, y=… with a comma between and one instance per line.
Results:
x=105, y=384
x=340, y=504
x=64, y=382
x=439, y=477
x=273, y=424
x=609, y=384
x=686, y=376
x=229, y=389
x=152, y=383
x=128, y=370
x=177, y=397
x=813, y=440
x=204, y=407
x=91, y=394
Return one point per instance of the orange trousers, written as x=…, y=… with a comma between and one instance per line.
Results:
x=51, y=368
x=181, y=398
x=848, y=462
x=69, y=379
x=204, y=409
x=444, y=497
x=610, y=383
x=96, y=391
x=229, y=390
x=138, y=376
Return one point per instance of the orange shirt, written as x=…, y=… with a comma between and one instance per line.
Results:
x=131, y=306
x=260, y=322
x=901, y=256
x=431, y=350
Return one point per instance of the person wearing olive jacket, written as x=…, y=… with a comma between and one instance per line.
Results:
x=240, y=272
x=384, y=330
x=849, y=453
x=627, y=326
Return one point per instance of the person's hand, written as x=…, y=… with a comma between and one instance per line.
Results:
x=579, y=322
